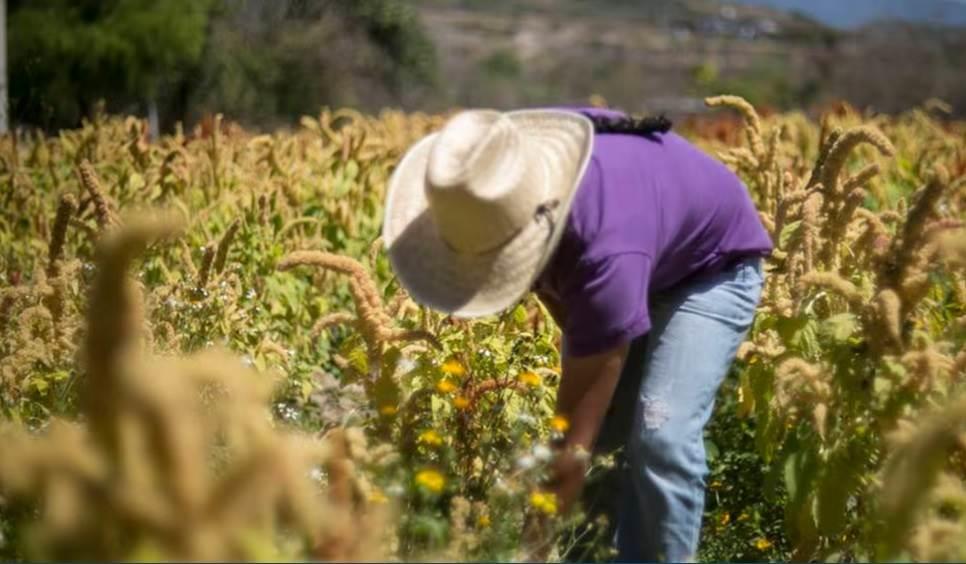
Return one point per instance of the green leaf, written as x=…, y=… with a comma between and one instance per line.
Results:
x=746, y=394
x=840, y=478
x=385, y=391
x=305, y=390
x=787, y=232
x=801, y=468
x=800, y=333
x=357, y=355
x=428, y=529
x=840, y=327
x=352, y=169
x=881, y=386
x=59, y=375
x=390, y=360
x=894, y=368
x=711, y=450
x=793, y=475
x=39, y=384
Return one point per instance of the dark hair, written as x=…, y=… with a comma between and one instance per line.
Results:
x=644, y=127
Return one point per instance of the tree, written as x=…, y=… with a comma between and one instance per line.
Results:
x=3, y=68
x=67, y=54
x=267, y=62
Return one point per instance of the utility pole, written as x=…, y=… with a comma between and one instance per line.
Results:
x=4, y=122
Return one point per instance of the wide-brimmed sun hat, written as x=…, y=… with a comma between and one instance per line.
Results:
x=475, y=211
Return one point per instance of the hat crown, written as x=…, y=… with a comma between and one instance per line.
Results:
x=484, y=181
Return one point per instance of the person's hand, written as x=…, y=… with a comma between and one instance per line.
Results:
x=585, y=391
x=586, y=388
x=567, y=472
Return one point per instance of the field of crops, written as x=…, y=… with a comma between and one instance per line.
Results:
x=204, y=354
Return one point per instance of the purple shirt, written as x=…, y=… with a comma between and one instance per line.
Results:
x=649, y=214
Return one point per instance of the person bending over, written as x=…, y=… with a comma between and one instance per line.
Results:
x=646, y=251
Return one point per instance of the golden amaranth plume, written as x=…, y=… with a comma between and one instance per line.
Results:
x=842, y=148
x=887, y=308
x=207, y=259
x=102, y=209
x=913, y=232
x=331, y=320
x=917, y=457
x=373, y=322
x=224, y=245
x=833, y=282
x=65, y=211
x=115, y=317
x=861, y=178
x=752, y=120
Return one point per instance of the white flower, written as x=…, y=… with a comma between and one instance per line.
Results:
x=502, y=486
x=542, y=453
x=526, y=462
x=316, y=474
x=406, y=364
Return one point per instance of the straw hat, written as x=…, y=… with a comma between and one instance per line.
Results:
x=475, y=211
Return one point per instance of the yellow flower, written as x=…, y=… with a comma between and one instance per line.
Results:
x=724, y=519
x=431, y=480
x=762, y=543
x=453, y=367
x=531, y=379
x=483, y=521
x=430, y=438
x=461, y=402
x=376, y=496
x=559, y=423
x=714, y=485
x=544, y=502
x=445, y=386
x=388, y=410
x=743, y=517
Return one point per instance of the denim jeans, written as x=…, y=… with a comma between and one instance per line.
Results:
x=665, y=397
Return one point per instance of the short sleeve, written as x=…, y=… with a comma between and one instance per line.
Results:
x=606, y=303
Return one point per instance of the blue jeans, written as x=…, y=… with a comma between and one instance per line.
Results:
x=664, y=399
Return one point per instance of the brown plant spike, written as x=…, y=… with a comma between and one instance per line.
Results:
x=65, y=212
x=102, y=209
x=374, y=324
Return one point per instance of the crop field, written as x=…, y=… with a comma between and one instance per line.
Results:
x=204, y=353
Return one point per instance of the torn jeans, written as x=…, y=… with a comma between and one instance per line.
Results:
x=655, y=494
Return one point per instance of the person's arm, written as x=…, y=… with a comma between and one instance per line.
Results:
x=603, y=309
x=586, y=388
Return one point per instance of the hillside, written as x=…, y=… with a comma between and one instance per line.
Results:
x=861, y=12
x=665, y=55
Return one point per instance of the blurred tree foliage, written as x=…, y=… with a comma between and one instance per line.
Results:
x=270, y=61
x=67, y=54
x=264, y=62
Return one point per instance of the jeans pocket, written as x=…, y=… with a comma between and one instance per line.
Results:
x=752, y=270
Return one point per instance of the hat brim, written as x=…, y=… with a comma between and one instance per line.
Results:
x=475, y=285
